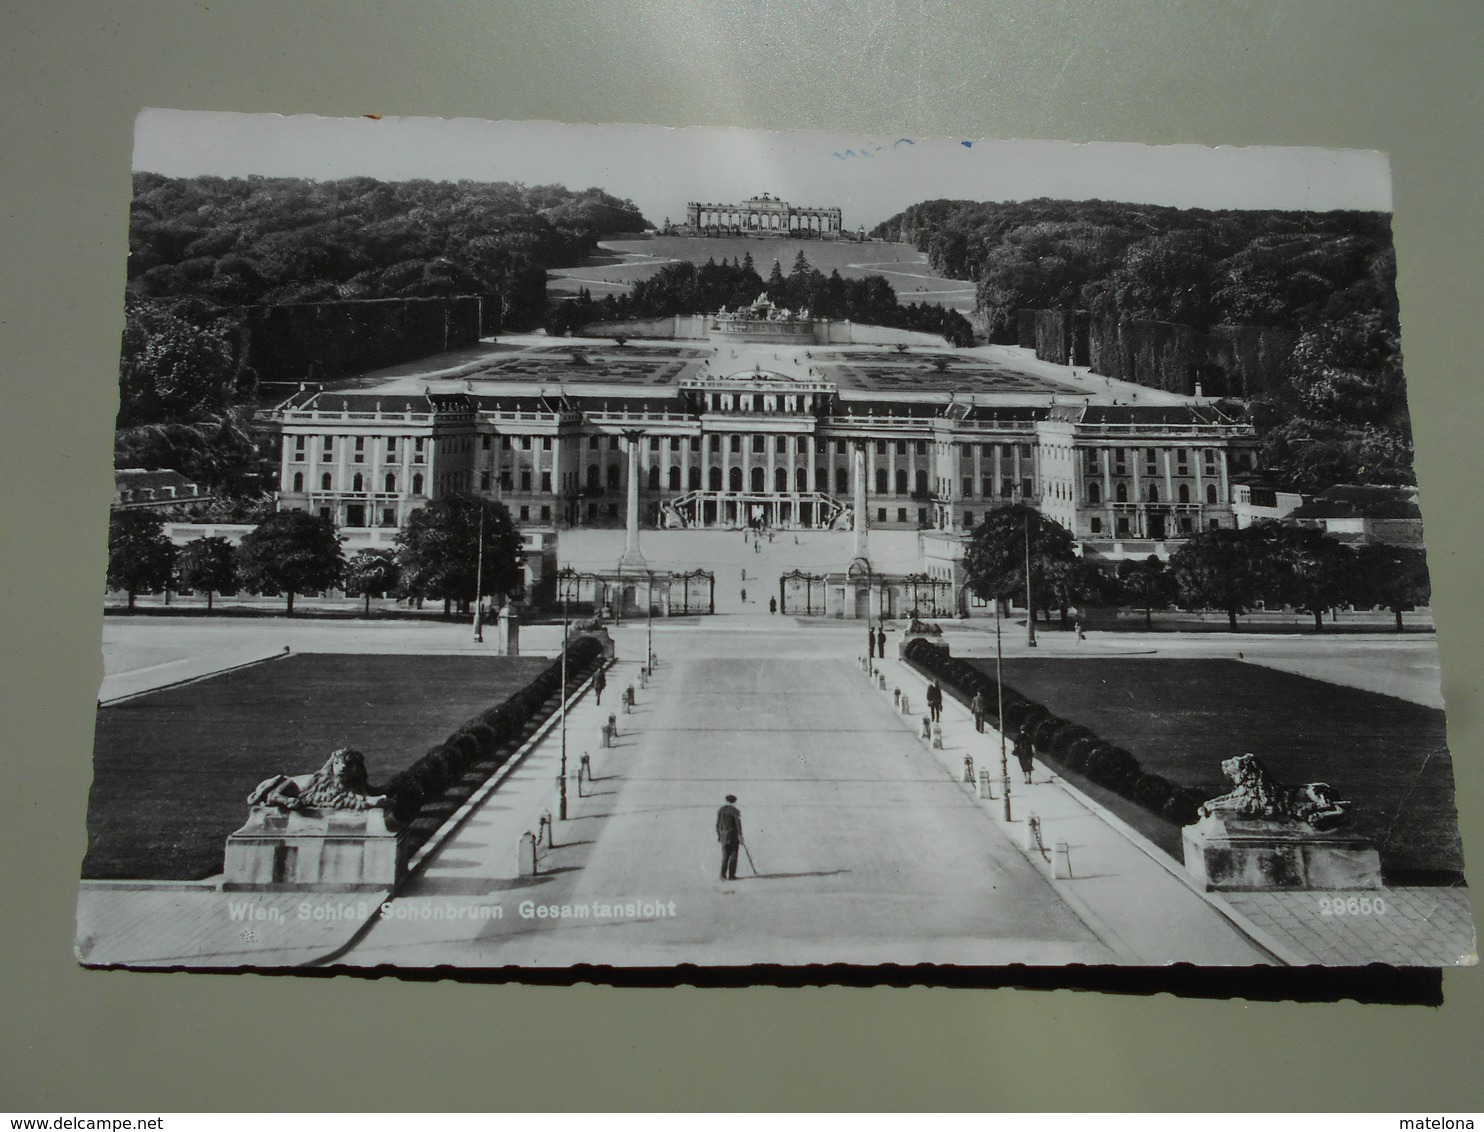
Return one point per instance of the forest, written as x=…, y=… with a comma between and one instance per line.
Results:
x=686, y=288
x=237, y=281
x=1339, y=412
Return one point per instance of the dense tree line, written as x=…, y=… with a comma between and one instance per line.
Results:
x=208, y=254
x=1330, y=277
x=445, y=551
x=272, y=240
x=1231, y=570
x=688, y=288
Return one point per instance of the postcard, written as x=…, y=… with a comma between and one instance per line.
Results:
x=540, y=546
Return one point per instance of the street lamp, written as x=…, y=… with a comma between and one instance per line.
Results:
x=562, y=788
x=479, y=581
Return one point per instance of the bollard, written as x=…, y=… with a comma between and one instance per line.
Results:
x=526, y=854
x=896, y=697
x=643, y=677
x=906, y=706
x=608, y=735
x=628, y=700
x=927, y=728
x=937, y=734
x=1031, y=834
x=984, y=788
x=1061, y=862
x=613, y=724
x=881, y=680
x=1005, y=794
x=546, y=824
x=969, y=770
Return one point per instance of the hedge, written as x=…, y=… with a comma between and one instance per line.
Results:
x=1069, y=744
x=486, y=737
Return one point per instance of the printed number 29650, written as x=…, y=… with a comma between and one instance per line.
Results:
x=1352, y=906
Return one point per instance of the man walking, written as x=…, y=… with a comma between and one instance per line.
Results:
x=599, y=683
x=881, y=642
x=978, y=707
x=1024, y=753
x=729, y=833
x=935, y=701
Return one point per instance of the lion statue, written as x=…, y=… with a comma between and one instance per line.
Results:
x=341, y=784
x=1259, y=795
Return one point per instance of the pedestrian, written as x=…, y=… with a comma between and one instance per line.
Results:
x=599, y=683
x=744, y=597
x=978, y=707
x=935, y=701
x=1024, y=752
x=772, y=605
x=881, y=642
x=729, y=833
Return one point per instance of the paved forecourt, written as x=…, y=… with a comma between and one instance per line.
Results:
x=865, y=850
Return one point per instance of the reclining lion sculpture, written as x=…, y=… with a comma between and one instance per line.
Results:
x=341, y=784
x=1259, y=795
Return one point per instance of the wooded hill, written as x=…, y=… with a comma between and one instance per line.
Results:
x=1160, y=289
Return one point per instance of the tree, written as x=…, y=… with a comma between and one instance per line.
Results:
x=206, y=564
x=1220, y=569
x=1314, y=571
x=290, y=552
x=373, y=571
x=140, y=556
x=995, y=558
x=1393, y=577
x=438, y=550
x=173, y=367
x=1145, y=583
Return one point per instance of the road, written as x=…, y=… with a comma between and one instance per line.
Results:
x=865, y=850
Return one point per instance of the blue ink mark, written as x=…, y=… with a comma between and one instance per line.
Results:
x=858, y=152
x=902, y=141
x=967, y=145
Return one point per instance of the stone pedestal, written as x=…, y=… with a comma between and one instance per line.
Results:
x=507, y=631
x=1252, y=855
x=314, y=850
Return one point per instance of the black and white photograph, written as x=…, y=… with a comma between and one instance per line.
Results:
x=538, y=546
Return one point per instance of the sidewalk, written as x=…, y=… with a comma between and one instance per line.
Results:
x=1134, y=902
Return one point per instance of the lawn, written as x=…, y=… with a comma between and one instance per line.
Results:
x=1181, y=718
x=172, y=769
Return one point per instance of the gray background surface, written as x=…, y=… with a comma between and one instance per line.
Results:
x=1393, y=76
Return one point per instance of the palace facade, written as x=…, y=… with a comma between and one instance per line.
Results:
x=762, y=216
x=784, y=448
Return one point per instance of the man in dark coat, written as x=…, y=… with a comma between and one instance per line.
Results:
x=881, y=642
x=978, y=707
x=1024, y=752
x=599, y=683
x=729, y=833
x=935, y=701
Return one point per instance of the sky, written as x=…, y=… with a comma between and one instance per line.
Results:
x=661, y=168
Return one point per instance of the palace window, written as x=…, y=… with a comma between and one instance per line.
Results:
x=782, y=444
x=881, y=514
x=968, y=492
x=736, y=443
x=714, y=477
x=525, y=444
x=1027, y=489
x=734, y=478
x=1094, y=492
x=1182, y=461
x=299, y=447
x=1153, y=494
x=324, y=482
x=801, y=479
x=759, y=442
x=901, y=514
x=388, y=516
x=592, y=443
x=613, y=477
x=594, y=477
x=1216, y=524
x=654, y=478
x=880, y=481
x=546, y=514
x=613, y=444
x=525, y=479
x=780, y=480
x=922, y=481
x=1211, y=493
x=508, y=442
x=674, y=444
x=546, y=482
x=1187, y=525
x=695, y=444
x=298, y=481
x=674, y=477
x=391, y=482
x=693, y=477
x=525, y=514
x=922, y=516
x=1123, y=527
x=417, y=484
x=1095, y=526
x=839, y=448
x=969, y=524
x=842, y=481
x=546, y=444
x=758, y=478
x=1184, y=493
x=329, y=446
x=715, y=442
x=419, y=450
x=654, y=444
x=881, y=448
x=1120, y=492
x=922, y=447
x=484, y=481
x=901, y=481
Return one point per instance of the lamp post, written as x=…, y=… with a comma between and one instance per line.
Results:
x=1030, y=610
x=649, y=646
x=562, y=787
x=479, y=581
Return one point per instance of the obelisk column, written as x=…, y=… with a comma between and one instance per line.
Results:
x=631, y=555
x=860, y=501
